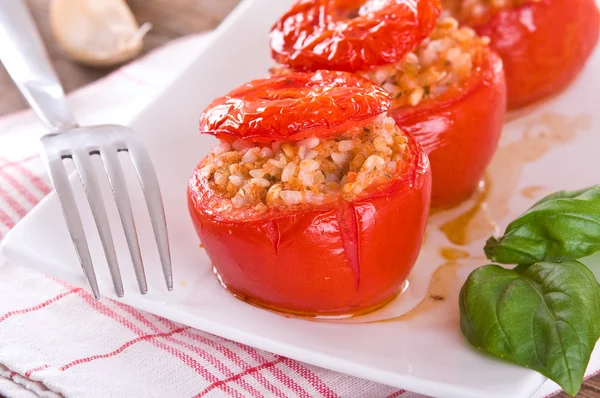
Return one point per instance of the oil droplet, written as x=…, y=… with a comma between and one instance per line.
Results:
x=453, y=254
x=182, y=284
x=460, y=229
x=540, y=135
x=201, y=246
x=533, y=192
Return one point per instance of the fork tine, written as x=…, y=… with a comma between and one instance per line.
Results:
x=62, y=186
x=147, y=175
x=84, y=167
x=121, y=195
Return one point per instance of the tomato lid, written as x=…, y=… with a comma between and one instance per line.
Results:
x=295, y=106
x=351, y=35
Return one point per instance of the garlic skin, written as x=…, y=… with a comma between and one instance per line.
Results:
x=98, y=33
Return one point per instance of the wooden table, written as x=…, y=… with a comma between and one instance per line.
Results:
x=171, y=19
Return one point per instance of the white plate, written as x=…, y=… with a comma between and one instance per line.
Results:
x=554, y=147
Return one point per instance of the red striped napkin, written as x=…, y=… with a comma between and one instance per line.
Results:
x=56, y=340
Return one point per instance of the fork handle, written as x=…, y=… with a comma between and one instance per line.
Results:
x=23, y=54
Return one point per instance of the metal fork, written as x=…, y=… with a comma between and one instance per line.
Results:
x=24, y=57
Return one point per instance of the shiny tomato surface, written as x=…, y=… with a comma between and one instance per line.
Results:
x=332, y=34
x=544, y=45
x=460, y=130
x=336, y=258
x=294, y=106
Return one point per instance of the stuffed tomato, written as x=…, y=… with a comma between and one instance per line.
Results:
x=544, y=43
x=460, y=116
x=447, y=86
x=314, y=202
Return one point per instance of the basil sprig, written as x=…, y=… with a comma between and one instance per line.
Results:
x=562, y=226
x=545, y=313
x=544, y=317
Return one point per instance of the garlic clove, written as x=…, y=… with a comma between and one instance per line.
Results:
x=97, y=32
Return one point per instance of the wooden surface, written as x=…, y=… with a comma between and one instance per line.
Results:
x=171, y=19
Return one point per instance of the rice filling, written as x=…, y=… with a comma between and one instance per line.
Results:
x=443, y=60
x=309, y=171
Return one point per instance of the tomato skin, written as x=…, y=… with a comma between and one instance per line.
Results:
x=460, y=131
x=276, y=108
x=544, y=45
x=316, y=34
x=296, y=260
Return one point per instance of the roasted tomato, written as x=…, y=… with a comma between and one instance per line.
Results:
x=351, y=35
x=544, y=43
x=460, y=130
x=328, y=225
x=274, y=109
x=448, y=88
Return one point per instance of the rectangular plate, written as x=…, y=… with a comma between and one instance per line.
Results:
x=549, y=147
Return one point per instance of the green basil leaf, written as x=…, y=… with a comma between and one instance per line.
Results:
x=562, y=226
x=544, y=316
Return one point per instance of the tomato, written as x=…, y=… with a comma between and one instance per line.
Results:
x=275, y=108
x=544, y=45
x=460, y=130
x=335, y=258
x=331, y=34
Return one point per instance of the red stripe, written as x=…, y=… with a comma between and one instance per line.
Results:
x=19, y=187
x=238, y=376
x=29, y=372
x=282, y=377
x=39, y=306
x=285, y=379
x=217, y=364
x=224, y=350
x=312, y=378
x=237, y=360
x=110, y=354
x=278, y=373
x=397, y=394
x=101, y=308
x=212, y=359
x=206, y=356
x=35, y=180
x=9, y=163
x=185, y=358
x=6, y=220
x=140, y=317
x=121, y=348
x=13, y=204
x=162, y=320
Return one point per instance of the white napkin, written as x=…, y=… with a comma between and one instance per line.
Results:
x=56, y=340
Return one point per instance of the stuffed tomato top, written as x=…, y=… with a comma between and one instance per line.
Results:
x=326, y=218
x=406, y=48
x=351, y=35
x=447, y=87
x=544, y=43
